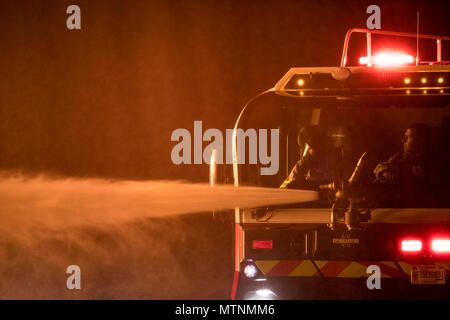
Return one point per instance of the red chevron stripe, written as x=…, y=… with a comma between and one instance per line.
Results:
x=284, y=267
x=333, y=268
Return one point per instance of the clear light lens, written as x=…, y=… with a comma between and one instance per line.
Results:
x=411, y=245
x=441, y=245
x=250, y=271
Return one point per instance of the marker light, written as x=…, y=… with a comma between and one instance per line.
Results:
x=407, y=80
x=424, y=91
x=411, y=245
x=250, y=271
x=441, y=245
x=440, y=80
x=262, y=244
x=301, y=82
x=408, y=91
x=423, y=80
x=387, y=59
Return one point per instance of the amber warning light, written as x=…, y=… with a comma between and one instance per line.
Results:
x=384, y=59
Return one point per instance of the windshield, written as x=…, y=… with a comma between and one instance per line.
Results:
x=405, y=148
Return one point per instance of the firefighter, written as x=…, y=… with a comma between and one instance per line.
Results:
x=316, y=164
x=411, y=163
x=409, y=174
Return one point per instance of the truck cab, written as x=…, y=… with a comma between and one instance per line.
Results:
x=364, y=237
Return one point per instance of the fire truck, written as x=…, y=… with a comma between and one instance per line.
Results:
x=350, y=243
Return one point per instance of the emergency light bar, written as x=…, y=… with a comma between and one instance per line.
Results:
x=386, y=80
x=369, y=34
x=393, y=74
x=387, y=59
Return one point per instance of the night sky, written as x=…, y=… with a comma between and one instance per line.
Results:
x=102, y=101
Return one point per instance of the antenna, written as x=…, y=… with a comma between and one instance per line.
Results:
x=417, y=52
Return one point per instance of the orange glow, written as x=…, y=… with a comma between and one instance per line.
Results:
x=423, y=80
x=440, y=80
x=301, y=82
x=407, y=80
x=212, y=168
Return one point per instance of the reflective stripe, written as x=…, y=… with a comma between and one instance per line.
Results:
x=327, y=269
x=291, y=268
x=304, y=269
x=266, y=265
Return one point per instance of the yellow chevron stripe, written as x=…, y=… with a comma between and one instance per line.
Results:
x=320, y=264
x=354, y=270
x=304, y=269
x=406, y=267
x=266, y=265
x=390, y=264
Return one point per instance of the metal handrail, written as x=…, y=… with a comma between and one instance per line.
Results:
x=390, y=33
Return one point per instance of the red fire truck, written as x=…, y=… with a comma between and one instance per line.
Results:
x=364, y=238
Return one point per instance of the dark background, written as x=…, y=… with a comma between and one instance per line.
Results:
x=103, y=101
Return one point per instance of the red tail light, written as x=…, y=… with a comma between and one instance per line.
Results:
x=262, y=244
x=411, y=245
x=440, y=245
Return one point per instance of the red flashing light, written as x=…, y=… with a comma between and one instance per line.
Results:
x=262, y=244
x=411, y=245
x=387, y=59
x=439, y=245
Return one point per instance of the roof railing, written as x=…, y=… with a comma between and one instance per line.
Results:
x=369, y=33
